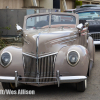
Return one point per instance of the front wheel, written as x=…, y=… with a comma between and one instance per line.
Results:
x=81, y=86
x=8, y=86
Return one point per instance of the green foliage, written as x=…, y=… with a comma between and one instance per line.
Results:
x=78, y=3
x=3, y=42
x=6, y=28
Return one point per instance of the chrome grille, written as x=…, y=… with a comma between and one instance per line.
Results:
x=46, y=67
x=95, y=36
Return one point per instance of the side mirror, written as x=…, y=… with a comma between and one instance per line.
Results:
x=86, y=24
x=80, y=26
x=19, y=29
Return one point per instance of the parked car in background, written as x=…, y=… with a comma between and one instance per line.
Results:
x=89, y=5
x=92, y=16
x=70, y=11
x=55, y=51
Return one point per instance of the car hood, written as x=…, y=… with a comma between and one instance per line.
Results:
x=50, y=40
x=94, y=26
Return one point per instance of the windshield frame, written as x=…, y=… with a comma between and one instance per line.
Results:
x=50, y=14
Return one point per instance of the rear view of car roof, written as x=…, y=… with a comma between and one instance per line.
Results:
x=87, y=9
x=90, y=5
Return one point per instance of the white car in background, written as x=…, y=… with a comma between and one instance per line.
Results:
x=88, y=15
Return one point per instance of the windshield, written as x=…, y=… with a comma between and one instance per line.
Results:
x=37, y=22
x=63, y=19
x=90, y=15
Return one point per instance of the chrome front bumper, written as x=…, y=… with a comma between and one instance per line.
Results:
x=96, y=42
x=96, y=37
x=60, y=79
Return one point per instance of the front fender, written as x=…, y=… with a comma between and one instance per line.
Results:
x=91, y=48
x=67, y=70
x=16, y=63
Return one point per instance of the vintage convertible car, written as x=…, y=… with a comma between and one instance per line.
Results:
x=55, y=50
x=92, y=16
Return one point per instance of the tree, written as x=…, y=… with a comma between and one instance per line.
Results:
x=78, y=3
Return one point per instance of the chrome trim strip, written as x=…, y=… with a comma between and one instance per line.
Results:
x=37, y=46
x=45, y=54
x=23, y=61
x=48, y=55
x=35, y=78
x=28, y=55
x=58, y=79
x=40, y=56
x=50, y=14
x=93, y=32
x=39, y=82
x=63, y=39
x=68, y=41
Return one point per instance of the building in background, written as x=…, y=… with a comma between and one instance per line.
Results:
x=90, y=1
x=11, y=4
x=13, y=12
x=18, y=4
x=47, y=4
x=69, y=3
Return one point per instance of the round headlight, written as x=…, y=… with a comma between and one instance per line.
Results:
x=73, y=58
x=6, y=59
